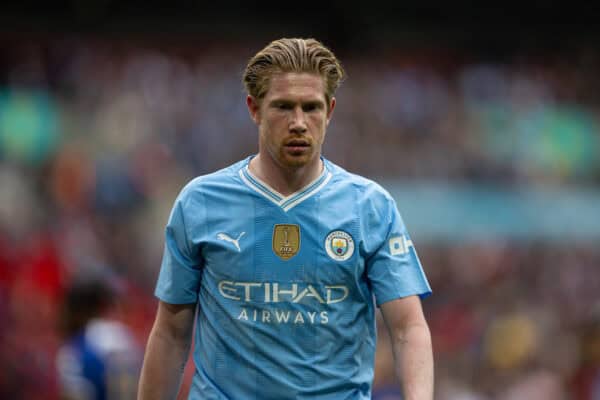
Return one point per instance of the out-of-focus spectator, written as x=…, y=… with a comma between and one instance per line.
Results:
x=100, y=358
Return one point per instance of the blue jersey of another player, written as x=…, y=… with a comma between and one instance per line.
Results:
x=286, y=286
x=101, y=362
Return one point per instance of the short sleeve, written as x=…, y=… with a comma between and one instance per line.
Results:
x=180, y=271
x=393, y=267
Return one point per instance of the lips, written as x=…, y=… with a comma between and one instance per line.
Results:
x=297, y=147
x=297, y=143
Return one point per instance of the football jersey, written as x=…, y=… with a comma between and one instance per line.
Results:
x=101, y=362
x=286, y=286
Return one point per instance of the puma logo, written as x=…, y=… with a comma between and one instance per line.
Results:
x=227, y=238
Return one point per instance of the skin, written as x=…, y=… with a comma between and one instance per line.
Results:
x=167, y=351
x=292, y=119
x=411, y=345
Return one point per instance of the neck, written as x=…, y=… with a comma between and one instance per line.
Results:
x=285, y=180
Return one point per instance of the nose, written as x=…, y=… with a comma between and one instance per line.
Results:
x=298, y=121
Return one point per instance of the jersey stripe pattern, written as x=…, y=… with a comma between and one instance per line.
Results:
x=286, y=286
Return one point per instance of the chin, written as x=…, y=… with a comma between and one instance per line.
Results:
x=295, y=162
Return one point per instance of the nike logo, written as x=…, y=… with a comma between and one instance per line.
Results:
x=236, y=242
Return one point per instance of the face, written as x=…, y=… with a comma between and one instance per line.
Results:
x=292, y=119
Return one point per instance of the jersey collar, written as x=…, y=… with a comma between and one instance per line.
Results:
x=285, y=202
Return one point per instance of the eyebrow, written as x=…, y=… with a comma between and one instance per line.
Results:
x=314, y=103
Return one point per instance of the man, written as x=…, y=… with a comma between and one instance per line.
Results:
x=282, y=254
x=99, y=359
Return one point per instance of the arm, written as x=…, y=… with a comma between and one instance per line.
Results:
x=411, y=344
x=167, y=351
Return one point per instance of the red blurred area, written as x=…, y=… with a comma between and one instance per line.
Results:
x=134, y=121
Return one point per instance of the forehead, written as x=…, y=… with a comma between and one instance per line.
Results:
x=296, y=85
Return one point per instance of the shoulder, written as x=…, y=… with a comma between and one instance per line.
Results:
x=214, y=181
x=106, y=337
x=365, y=189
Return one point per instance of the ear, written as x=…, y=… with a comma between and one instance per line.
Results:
x=253, y=108
x=330, y=110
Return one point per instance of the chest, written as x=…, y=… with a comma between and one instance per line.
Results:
x=251, y=240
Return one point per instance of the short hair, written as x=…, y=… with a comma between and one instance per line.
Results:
x=293, y=55
x=85, y=298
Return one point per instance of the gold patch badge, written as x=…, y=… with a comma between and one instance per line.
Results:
x=286, y=240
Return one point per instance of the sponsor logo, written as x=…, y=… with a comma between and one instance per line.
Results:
x=275, y=292
x=286, y=240
x=278, y=316
x=339, y=245
x=400, y=245
x=236, y=242
x=268, y=302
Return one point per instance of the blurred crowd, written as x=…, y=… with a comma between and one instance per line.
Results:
x=97, y=137
x=510, y=321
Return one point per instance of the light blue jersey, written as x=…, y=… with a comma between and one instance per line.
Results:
x=286, y=286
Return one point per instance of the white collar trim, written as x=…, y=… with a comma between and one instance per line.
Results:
x=285, y=202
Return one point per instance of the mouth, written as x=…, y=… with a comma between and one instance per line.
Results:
x=297, y=146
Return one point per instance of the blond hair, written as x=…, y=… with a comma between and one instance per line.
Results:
x=292, y=55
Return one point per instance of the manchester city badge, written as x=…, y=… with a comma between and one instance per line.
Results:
x=339, y=245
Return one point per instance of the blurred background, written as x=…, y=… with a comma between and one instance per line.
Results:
x=483, y=124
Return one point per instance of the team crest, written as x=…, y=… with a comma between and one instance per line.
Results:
x=339, y=245
x=286, y=240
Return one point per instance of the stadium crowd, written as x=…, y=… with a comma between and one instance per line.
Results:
x=96, y=138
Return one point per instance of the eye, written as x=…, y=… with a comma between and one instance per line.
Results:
x=308, y=107
x=283, y=106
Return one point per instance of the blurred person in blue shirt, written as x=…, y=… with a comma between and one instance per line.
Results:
x=281, y=259
x=99, y=359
